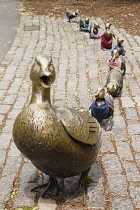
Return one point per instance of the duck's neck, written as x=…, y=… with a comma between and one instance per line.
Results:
x=40, y=95
x=100, y=101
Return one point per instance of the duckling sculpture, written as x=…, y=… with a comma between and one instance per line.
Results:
x=117, y=61
x=119, y=46
x=84, y=23
x=95, y=31
x=103, y=108
x=107, y=37
x=71, y=14
x=60, y=142
x=114, y=82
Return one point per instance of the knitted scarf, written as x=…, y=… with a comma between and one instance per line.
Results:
x=107, y=45
x=99, y=112
x=114, y=63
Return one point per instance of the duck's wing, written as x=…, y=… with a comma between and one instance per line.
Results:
x=79, y=124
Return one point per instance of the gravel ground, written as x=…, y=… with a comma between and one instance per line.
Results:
x=120, y=13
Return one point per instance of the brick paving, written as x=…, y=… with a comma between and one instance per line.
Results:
x=81, y=67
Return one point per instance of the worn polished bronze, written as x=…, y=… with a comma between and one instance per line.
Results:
x=70, y=14
x=114, y=82
x=60, y=142
x=107, y=37
x=103, y=108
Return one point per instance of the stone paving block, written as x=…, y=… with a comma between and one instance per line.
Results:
x=131, y=171
x=134, y=89
x=60, y=95
x=135, y=143
x=27, y=182
x=2, y=116
x=13, y=90
x=137, y=156
x=127, y=102
x=60, y=86
x=96, y=196
x=131, y=114
x=47, y=204
x=4, y=109
x=6, y=184
x=8, y=126
x=4, y=85
x=137, y=38
x=2, y=93
x=135, y=193
x=125, y=91
x=12, y=165
x=118, y=185
x=9, y=99
x=123, y=150
x=5, y=140
x=122, y=204
x=19, y=103
x=107, y=145
x=134, y=129
x=137, y=100
x=112, y=164
x=8, y=77
x=14, y=112
x=119, y=123
x=14, y=151
x=116, y=107
x=2, y=156
x=96, y=174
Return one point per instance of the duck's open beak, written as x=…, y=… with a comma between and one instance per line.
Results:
x=45, y=81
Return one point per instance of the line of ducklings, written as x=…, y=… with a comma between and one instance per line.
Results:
x=103, y=107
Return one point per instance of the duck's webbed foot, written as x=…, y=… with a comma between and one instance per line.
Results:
x=109, y=123
x=68, y=197
x=51, y=188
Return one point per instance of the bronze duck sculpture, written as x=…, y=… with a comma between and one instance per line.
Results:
x=119, y=46
x=114, y=82
x=84, y=23
x=103, y=108
x=70, y=14
x=60, y=142
x=117, y=61
x=107, y=37
x=94, y=31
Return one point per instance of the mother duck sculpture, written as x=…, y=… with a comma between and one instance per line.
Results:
x=60, y=142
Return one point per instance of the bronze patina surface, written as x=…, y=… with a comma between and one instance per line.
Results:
x=70, y=14
x=60, y=142
x=114, y=82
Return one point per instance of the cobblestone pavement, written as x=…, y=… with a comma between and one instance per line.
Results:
x=81, y=67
